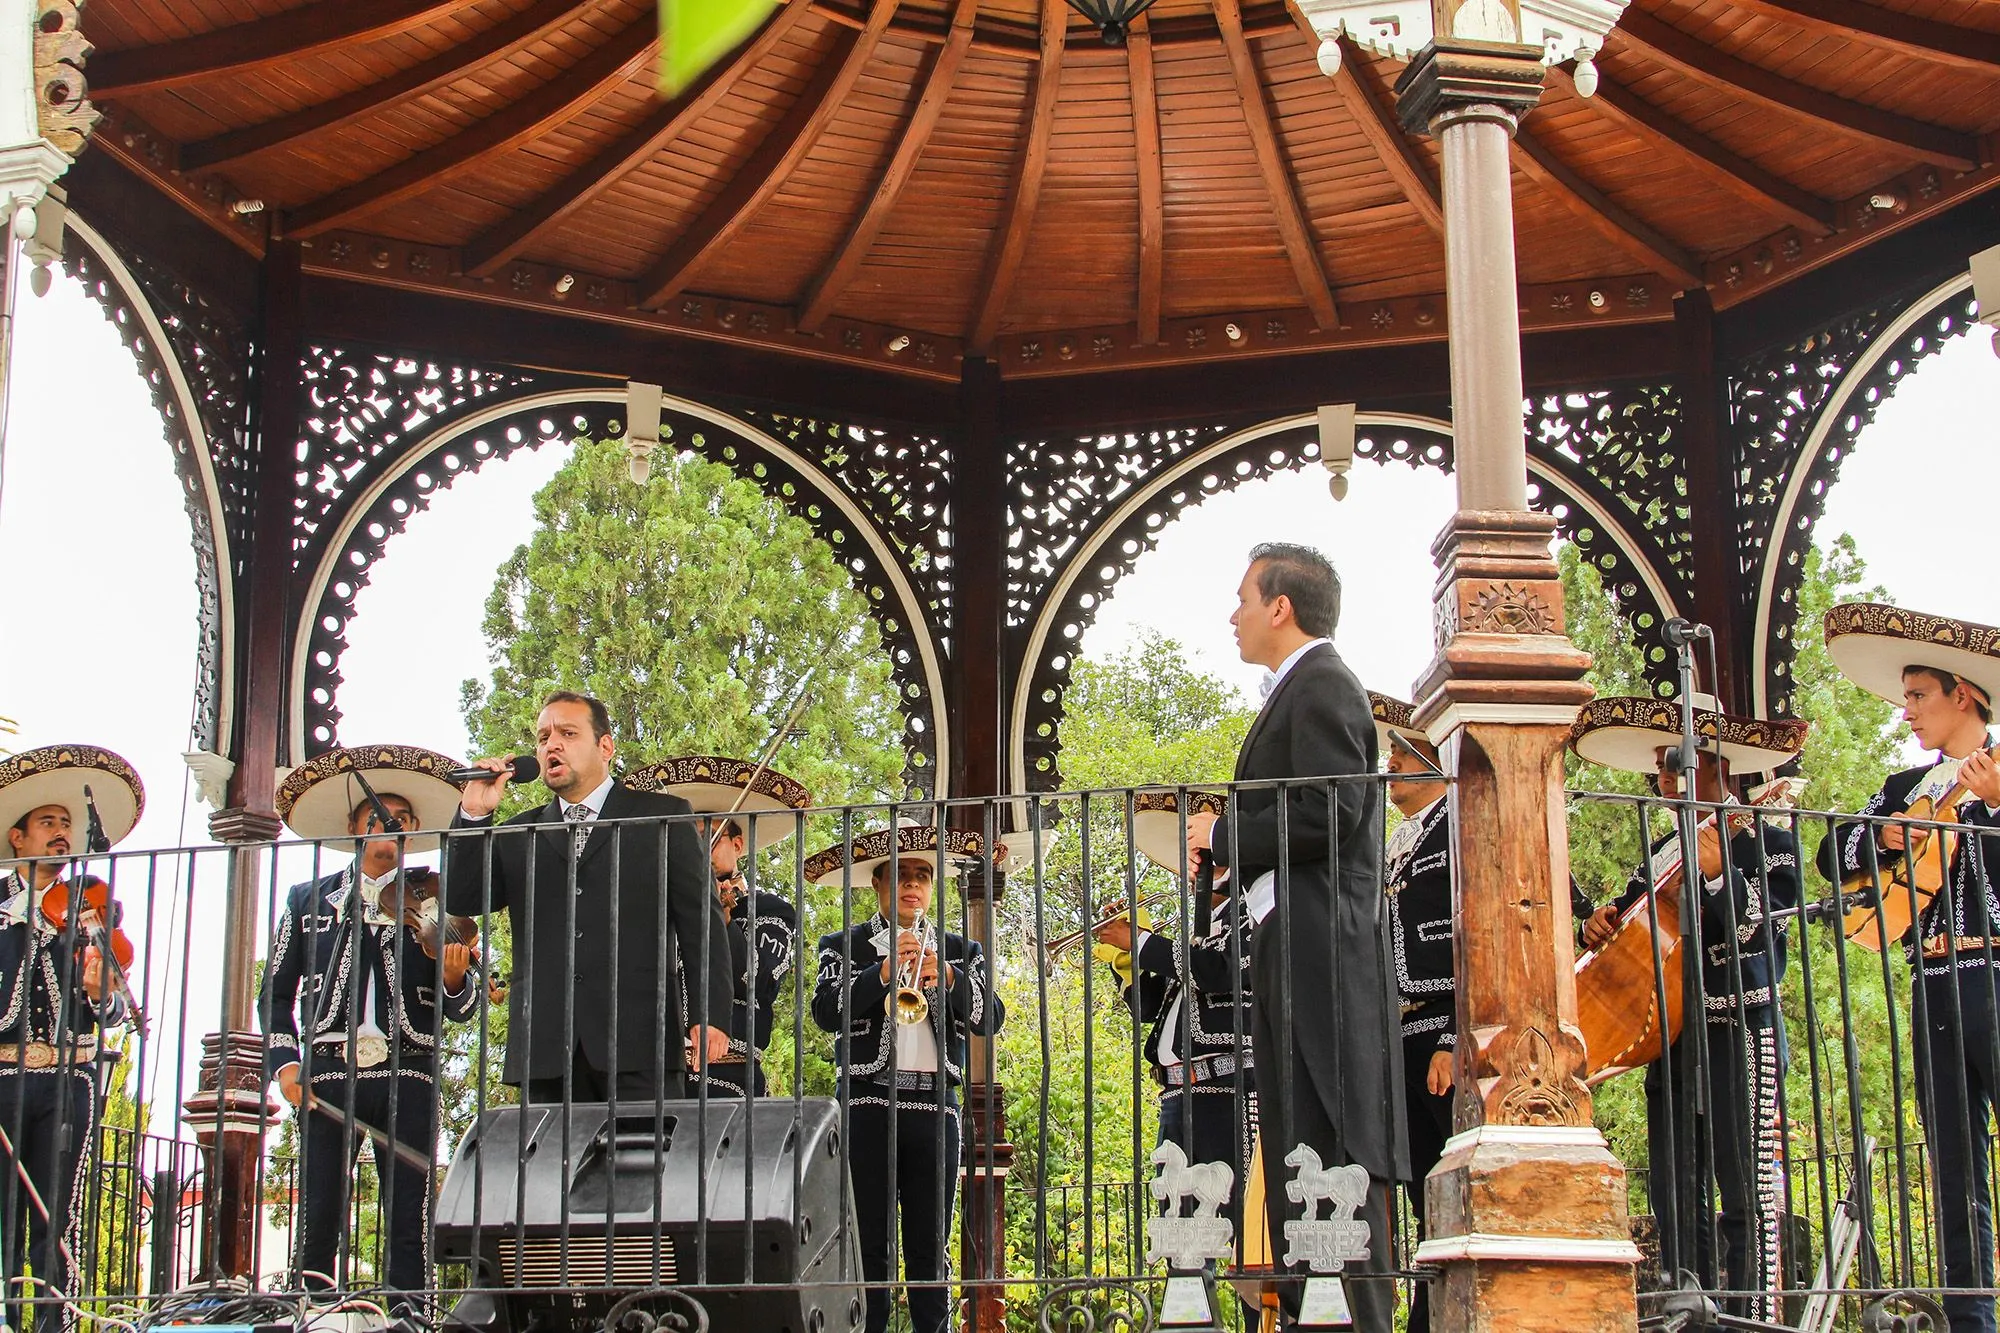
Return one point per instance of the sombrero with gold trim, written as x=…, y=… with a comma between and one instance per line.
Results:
x=912, y=841
x=57, y=775
x=316, y=798
x=715, y=785
x=1156, y=823
x=1393, y=717
x=1871, y=644
x=1626, y=732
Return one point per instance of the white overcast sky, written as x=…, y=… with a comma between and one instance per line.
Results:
x=102, y=594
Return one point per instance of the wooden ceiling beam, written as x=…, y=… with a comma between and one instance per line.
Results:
x=1291, y=219
x=1004, y=265
x=1905, y=34
x=1745, y=179
x=840, y=271
x=773, y=162
x=1370, y=105
x=551, y=104
x=502, y=39
x=1591, y=204
x=314, y=29
x=1668, y=45
x=1152, y=187
x=494, y=248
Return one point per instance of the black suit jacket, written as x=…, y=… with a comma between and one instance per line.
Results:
x=556, y=900
x=849, y=1000
x=1339, y=1001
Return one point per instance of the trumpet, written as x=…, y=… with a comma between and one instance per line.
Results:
x=906, y=1003
x=1053, y=950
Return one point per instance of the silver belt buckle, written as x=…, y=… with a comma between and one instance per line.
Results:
x=370, y=1051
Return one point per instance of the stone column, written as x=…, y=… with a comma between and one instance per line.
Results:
x=989, y=1156
x=1527, y=1208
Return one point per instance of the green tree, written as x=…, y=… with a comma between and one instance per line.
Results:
x=694, y=605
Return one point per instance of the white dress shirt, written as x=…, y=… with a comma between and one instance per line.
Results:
x=593, y=802
x=1262, y=895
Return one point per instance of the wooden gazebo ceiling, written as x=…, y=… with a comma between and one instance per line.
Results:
x=905, y=184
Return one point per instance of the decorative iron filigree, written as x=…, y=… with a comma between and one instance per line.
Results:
x=212, y=353
x=1063, y=490
x=1776, y=398
x=409, y=492
x=359, y=409
x=1095, y=1307
x=657, y=1310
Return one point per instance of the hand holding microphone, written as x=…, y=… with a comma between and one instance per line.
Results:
x=486, y=782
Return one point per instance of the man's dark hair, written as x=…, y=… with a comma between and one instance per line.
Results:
x=600, y=716
x=1948, y=682
x=1305, y=577
x=732, y=829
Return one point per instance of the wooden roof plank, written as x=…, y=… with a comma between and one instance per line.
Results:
x=1614, y=223
x=1025, y=196
x=1369, y=104
x=774, y=159
x=845, y=265
x=501, y=40
x=1152, y=191
x=487, y=253
x=1906, y=34
x=1291, y=218
x=1911, y=138
x=313, y=29
x=555, y=101
x=1745, y=179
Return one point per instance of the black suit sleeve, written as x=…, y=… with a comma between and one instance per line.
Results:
x=776, y=943
x=696, y=910
x=278, y=1005
x=465, y=859
x=1322, y=732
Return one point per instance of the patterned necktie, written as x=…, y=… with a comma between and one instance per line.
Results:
x=578, y=816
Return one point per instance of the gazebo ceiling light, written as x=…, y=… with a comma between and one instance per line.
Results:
x=1112, y=17
x=1564, y=29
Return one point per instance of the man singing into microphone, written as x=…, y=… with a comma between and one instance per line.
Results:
x=603, y=888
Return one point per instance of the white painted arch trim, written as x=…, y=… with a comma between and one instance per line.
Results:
x=830, y=493
x=197, y=431
x=1086, y=555
x=1795, y=484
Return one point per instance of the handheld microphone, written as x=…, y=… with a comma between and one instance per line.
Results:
x=526, y=769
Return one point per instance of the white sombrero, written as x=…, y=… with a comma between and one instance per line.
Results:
x=714, y=785
x=1871, y=644
x=57, y=775
x=1156, y=824
x=316, y=798
x=1626, y=732
x=913, y=842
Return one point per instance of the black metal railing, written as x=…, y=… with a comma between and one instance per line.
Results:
x=1029, y=1116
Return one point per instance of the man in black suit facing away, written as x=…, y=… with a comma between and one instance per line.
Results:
x=556, y=884
x=1337, y=1088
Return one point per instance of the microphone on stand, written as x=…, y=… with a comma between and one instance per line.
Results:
x=1680, y=631
x=94, y=841
x=526, y=769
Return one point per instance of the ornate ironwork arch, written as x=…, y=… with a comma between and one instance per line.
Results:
x=1797, y=412
x=351, y=537
x=1086, y=533
x=194, y=361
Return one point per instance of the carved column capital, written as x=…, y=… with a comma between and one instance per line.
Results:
x=239, y=825
x=1450, y=80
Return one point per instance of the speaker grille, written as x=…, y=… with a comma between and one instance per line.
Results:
x=538, y=1261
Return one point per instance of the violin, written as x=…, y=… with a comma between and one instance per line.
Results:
x=94, y=895
x=413, y=900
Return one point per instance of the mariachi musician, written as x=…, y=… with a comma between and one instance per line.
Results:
x=58, y=991
x=1745, y=879
x=1944, y=674
x=1416, y=873
x=748, y=806
x=363, y=972
x=903, y=996
x=1195, y=999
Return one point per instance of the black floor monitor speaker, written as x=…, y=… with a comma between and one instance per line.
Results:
x=559, y=1217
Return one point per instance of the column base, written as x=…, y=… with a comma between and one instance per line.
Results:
x=1528, y=1224
x=228, y=1115
x=989, y=1160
